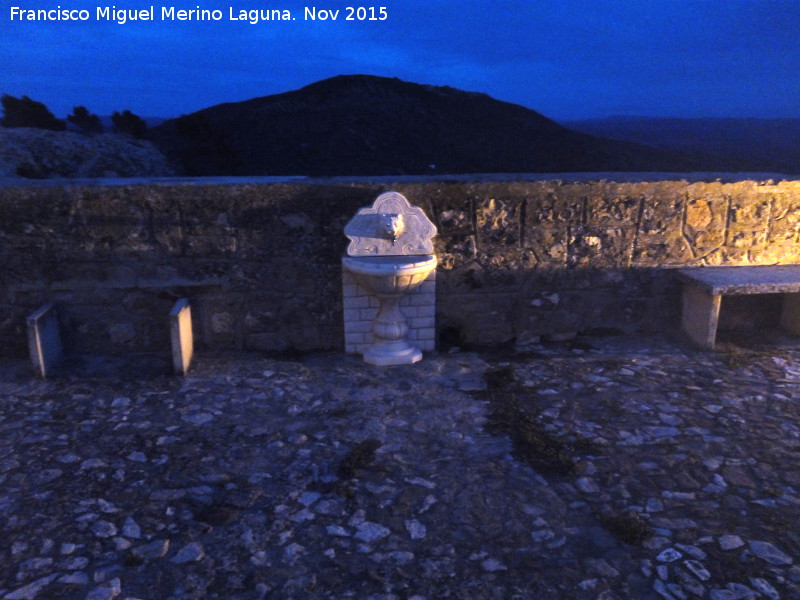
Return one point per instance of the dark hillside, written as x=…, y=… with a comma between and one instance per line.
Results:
x=366, y=125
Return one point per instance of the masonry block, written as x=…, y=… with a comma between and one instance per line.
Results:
x=360, y=326
x=367, y=314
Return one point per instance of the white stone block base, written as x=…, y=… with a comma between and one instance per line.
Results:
x=361, y=307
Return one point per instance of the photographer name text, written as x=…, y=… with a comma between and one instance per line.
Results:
x=112, y=14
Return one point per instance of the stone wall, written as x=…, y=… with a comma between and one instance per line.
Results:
x=260, y=260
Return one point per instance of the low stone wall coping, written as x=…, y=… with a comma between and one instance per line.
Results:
x=761, y=279
x=611, y=177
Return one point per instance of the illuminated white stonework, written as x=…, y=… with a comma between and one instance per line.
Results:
x=389, y=282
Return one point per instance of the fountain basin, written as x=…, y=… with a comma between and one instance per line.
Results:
x=390, y=274
x=389, y=278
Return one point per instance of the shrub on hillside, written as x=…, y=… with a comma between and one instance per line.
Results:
x=85, y=121
x=24, y=112
x=127, y=122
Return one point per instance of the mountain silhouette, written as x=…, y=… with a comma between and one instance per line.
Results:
x=368, y=125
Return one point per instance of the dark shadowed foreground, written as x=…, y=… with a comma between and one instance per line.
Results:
x=606, y=469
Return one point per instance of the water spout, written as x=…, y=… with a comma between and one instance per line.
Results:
x=392, y=225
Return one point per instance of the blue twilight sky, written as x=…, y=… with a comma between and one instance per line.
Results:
x=564, y=58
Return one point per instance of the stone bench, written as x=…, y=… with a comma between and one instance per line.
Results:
x=703, y=288
x=46, y=351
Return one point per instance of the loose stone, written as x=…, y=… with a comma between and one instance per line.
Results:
x=337, y=530
x=769, y=553
x=690, y=583
x=427, y=503
x=104, y=529
x=152, y=550
x=401, y=557
x=121, y=402
x=679, y=495
x=491, y=565
x=192, y=552
x=415, y=529
x=137, y=457
x=202, y=418
x=587, y=485
x=130, y=528
x=106, y=507
x=292, y=552
x=121, y=543
x=308, y=498
x=730, y=542
x=662, y=590
x=371, y=532
x=654, y=505
x=693, y=551
x=108, y=592
x=742, y=591
x=302, y=516
x=30, y=591
x=588, y=584
x=77, y=578
x=75, y=563
x=698, y=570
x=763, y=586
x=669, y=555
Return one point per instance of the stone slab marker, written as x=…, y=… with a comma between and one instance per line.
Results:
x=180, y=323
x=44, y=340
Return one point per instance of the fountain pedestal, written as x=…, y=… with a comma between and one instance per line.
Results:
x=389, y=278
x=390, y=328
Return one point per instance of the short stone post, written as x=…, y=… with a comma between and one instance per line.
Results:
x=180, y=319
x=44, y=340
x=700, y=316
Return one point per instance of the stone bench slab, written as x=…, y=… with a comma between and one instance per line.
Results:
x=720, y=281
x=703, y=288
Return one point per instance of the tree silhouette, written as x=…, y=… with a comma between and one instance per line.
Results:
x=85, y=121
x=127, y=122
x=24, y=112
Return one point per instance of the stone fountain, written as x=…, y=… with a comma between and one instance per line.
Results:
x=390, y=255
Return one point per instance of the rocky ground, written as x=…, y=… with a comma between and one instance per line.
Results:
x=42, y=154
x=604, y=469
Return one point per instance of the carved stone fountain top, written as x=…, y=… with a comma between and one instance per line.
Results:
x=391, y=226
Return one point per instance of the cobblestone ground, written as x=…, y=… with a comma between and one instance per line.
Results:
x=605, y=469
